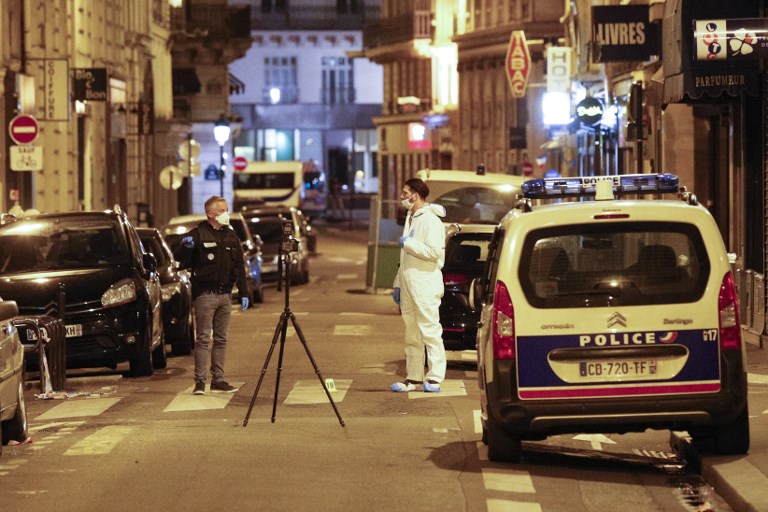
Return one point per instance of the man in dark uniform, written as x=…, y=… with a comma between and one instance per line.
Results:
x=213, y=251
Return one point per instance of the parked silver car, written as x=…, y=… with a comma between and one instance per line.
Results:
x=13, y=414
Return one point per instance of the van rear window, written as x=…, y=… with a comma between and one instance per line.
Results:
x=613, y=264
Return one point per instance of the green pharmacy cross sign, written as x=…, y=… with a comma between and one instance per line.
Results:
x=744, y=38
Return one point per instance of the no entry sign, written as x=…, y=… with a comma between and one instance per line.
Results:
x=240, y=163
x=23, y=129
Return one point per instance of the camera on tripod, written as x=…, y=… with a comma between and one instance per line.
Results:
x=288, y=243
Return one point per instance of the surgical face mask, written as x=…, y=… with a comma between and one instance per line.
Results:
x=223, y=218
x=407, y=203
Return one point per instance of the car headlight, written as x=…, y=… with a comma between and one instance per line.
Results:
x=169, y=290
x=119, y=293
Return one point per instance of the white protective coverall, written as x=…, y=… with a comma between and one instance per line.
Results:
x=421, y=287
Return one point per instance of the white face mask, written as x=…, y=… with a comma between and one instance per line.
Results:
x=223, y=218
x=407, y=203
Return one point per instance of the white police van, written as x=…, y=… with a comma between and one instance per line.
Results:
x=609, y=315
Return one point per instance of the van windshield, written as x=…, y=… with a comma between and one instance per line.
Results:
x=616, y=264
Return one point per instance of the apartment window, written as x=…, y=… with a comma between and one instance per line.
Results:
x=347, y=6
x=338, y=83
x=273, y=5
x=280, y=80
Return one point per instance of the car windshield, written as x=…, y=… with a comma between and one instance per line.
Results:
x=476, y=205
x=153, y=245
x=268, y=227
x=60, y=243
x=616, y=264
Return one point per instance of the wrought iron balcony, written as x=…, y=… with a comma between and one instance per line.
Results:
x=399, y=29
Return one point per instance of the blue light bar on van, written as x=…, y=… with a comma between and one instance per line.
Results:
x=551, y=188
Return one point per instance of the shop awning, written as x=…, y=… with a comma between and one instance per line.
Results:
x=687, y=80
x=185, y=81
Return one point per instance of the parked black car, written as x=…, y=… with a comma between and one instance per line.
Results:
x=179, y=226
x=465, y=254
x=176, y=291
x=267, y=223
x=91, y=266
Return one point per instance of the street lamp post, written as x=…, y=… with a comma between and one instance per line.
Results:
x=221, y=134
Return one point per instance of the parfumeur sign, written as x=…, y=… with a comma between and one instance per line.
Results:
x=518, y=63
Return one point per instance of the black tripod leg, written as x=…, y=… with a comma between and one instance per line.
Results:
x=314, y=365
x=283, y=322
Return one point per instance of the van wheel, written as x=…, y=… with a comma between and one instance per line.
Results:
x=502, y=447
x=16, y=428
x=729, y=439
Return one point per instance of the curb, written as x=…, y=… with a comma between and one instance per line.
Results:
x=739, y=483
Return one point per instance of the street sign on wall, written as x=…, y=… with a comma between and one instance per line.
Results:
x=23, y=129
x=26, y=158
x=518, y=63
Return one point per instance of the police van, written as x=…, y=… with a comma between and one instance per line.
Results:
x=609, y=313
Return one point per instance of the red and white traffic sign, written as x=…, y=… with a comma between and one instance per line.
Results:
x=527, y=169
x=240, y=163
x=23, y=129
x=518, y=63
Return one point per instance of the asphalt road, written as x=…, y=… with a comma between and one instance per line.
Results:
x=121, y=443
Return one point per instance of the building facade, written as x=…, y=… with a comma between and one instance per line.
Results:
x=308, y=96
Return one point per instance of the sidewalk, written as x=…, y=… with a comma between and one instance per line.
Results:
x=742, y=481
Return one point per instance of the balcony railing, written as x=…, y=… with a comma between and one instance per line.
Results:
x=399, y=29
x=313, y=18
x=215, y=21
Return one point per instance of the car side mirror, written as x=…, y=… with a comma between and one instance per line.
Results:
x=476, y=294
x=149, y=261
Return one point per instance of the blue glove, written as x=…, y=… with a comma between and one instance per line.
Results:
x=245, y=302
x=402, y=240
x=188, y=242
x=396, y=296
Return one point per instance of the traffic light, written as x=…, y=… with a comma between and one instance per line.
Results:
x=635, y=127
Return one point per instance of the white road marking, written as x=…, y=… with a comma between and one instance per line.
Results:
x=352, y=330
x=508, y=480
x=312, y=392
x=346, y=276
x=374, y=369
x=78, y=408
x=478, y=421
x=756, y=378
x=497, y=505
x=186, y=401
x=357, y=313
x=447, y=388
x=9, y=465
x=596, y=440
x=101, y=442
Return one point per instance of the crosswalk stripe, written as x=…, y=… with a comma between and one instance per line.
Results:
x=351, y=330
x=755, y=378
x=508, y=480
x=186, y=401
x=478, y=421
x=102, y=441
x=78, y=408
x=312, y=392
x=497, y=505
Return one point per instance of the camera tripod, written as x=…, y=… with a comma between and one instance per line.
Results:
x=280, y=331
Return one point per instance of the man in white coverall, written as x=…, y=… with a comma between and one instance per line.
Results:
x=419, y=288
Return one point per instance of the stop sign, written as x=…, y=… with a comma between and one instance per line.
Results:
x=240, y=163
x=23, y=129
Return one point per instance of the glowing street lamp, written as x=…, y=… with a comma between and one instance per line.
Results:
x=221, y=132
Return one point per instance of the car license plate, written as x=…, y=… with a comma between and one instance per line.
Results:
x=74, y=330
x=617, y=370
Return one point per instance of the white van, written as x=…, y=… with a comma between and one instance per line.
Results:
x=609, y=315
x=268, y=184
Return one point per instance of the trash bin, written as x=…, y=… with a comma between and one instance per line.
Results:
x=44, y=340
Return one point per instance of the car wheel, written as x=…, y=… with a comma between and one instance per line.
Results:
x=141, y=362
x=16, y=428
x=182, y=346
x=729, y=439
x=502, y=447
x=159, y=355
